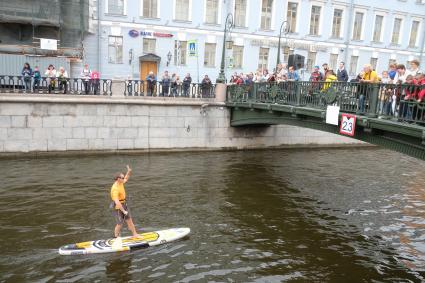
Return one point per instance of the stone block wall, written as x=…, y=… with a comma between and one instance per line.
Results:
x=30, y=124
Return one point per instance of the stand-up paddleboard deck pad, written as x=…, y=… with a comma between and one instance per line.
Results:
x=128, y=243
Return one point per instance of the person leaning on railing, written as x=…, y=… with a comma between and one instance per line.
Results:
x=292, y=74
x=175, y=84
x=330, y=77
x=27, y=74
x=151, y=83
x=51, y=74
x=85, y=76
x=187, y=81
x=412, y=98
x=95, y=81
x=421, y=84
x=37, y=79
x=385, y=93
x=165, y=83
x=62, y=76
x=206, y=86
x=369, y=77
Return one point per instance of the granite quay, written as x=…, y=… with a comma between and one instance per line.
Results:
x=57, y=122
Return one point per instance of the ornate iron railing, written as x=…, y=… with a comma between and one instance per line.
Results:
x=46, y=85
x=402, y=102
x=159, y=89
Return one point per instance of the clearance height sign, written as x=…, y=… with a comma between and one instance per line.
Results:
x=348, y=124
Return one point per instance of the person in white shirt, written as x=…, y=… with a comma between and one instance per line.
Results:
x=401, y=75
x=400, y=78
x=62, y=76
x=51, y=74
x=414, y=68
x=85, y=75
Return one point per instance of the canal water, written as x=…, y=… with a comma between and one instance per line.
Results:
x=319, y=215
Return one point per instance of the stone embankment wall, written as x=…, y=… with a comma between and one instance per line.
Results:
x=60, y=123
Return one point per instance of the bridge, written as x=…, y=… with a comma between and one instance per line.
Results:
x=388, y=115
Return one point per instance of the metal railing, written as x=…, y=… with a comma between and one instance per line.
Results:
x=401, y=102
x=159, y=89
x=46, y=85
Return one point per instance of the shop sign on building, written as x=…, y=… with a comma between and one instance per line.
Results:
x=49, y=44
x=155, y=34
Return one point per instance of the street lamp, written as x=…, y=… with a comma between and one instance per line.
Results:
x=284, y=27
x=227, y=27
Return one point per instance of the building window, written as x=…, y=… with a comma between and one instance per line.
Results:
x=396, y=31
x=373, y=62
x=182, y=10
x=315, y=20
x=378, y=28
x=150, y=8
x=286, y=52
x=180, y=50
x=115, y=49
x=353, y=65
x=240, y=13
x=337, y=22
x=413, y=33
x=266, y=14
x=311, y=60
x=292, y=16
x=116, y=7
x=263, y=58
x=211, y=11
x=209, y=56
x=149, y=45
x=333, y=61
x=237, y=56
x=357, y=28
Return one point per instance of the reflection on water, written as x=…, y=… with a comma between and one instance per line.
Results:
x=259, y=216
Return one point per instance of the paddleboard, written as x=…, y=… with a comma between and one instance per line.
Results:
x=145, y=240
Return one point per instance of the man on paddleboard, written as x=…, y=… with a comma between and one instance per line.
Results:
x=119, y=204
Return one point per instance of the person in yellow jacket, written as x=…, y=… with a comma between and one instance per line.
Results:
x=330, y=77
x=119, y=203
x=369, y=77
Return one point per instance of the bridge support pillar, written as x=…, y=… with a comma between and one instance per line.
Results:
x=220, y=92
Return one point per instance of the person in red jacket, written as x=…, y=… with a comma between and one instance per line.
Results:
x=419, y=110
x=421, y=91
x=410, y=91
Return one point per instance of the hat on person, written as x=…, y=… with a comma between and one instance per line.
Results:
x=317, y=67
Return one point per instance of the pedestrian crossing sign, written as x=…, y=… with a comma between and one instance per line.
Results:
x=193, y=48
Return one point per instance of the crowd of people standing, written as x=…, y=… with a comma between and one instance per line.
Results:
x=58, y=79
x=174, y=86
x=399, y=86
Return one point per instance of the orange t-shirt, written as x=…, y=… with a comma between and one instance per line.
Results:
x=118, y=191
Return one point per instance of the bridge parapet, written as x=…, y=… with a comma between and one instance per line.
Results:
x=390, y=115
x=400, y=102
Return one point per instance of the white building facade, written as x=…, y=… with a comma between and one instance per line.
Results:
x=133, y=37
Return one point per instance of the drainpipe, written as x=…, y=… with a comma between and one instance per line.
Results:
x=99, y=55
x=348, y=31
x=421, y=56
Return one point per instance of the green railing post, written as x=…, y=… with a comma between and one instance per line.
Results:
x=253, y=92
x=373, y=100
x=298, y=92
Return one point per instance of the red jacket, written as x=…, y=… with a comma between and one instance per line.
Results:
x=411, y=91
x=421, y=91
